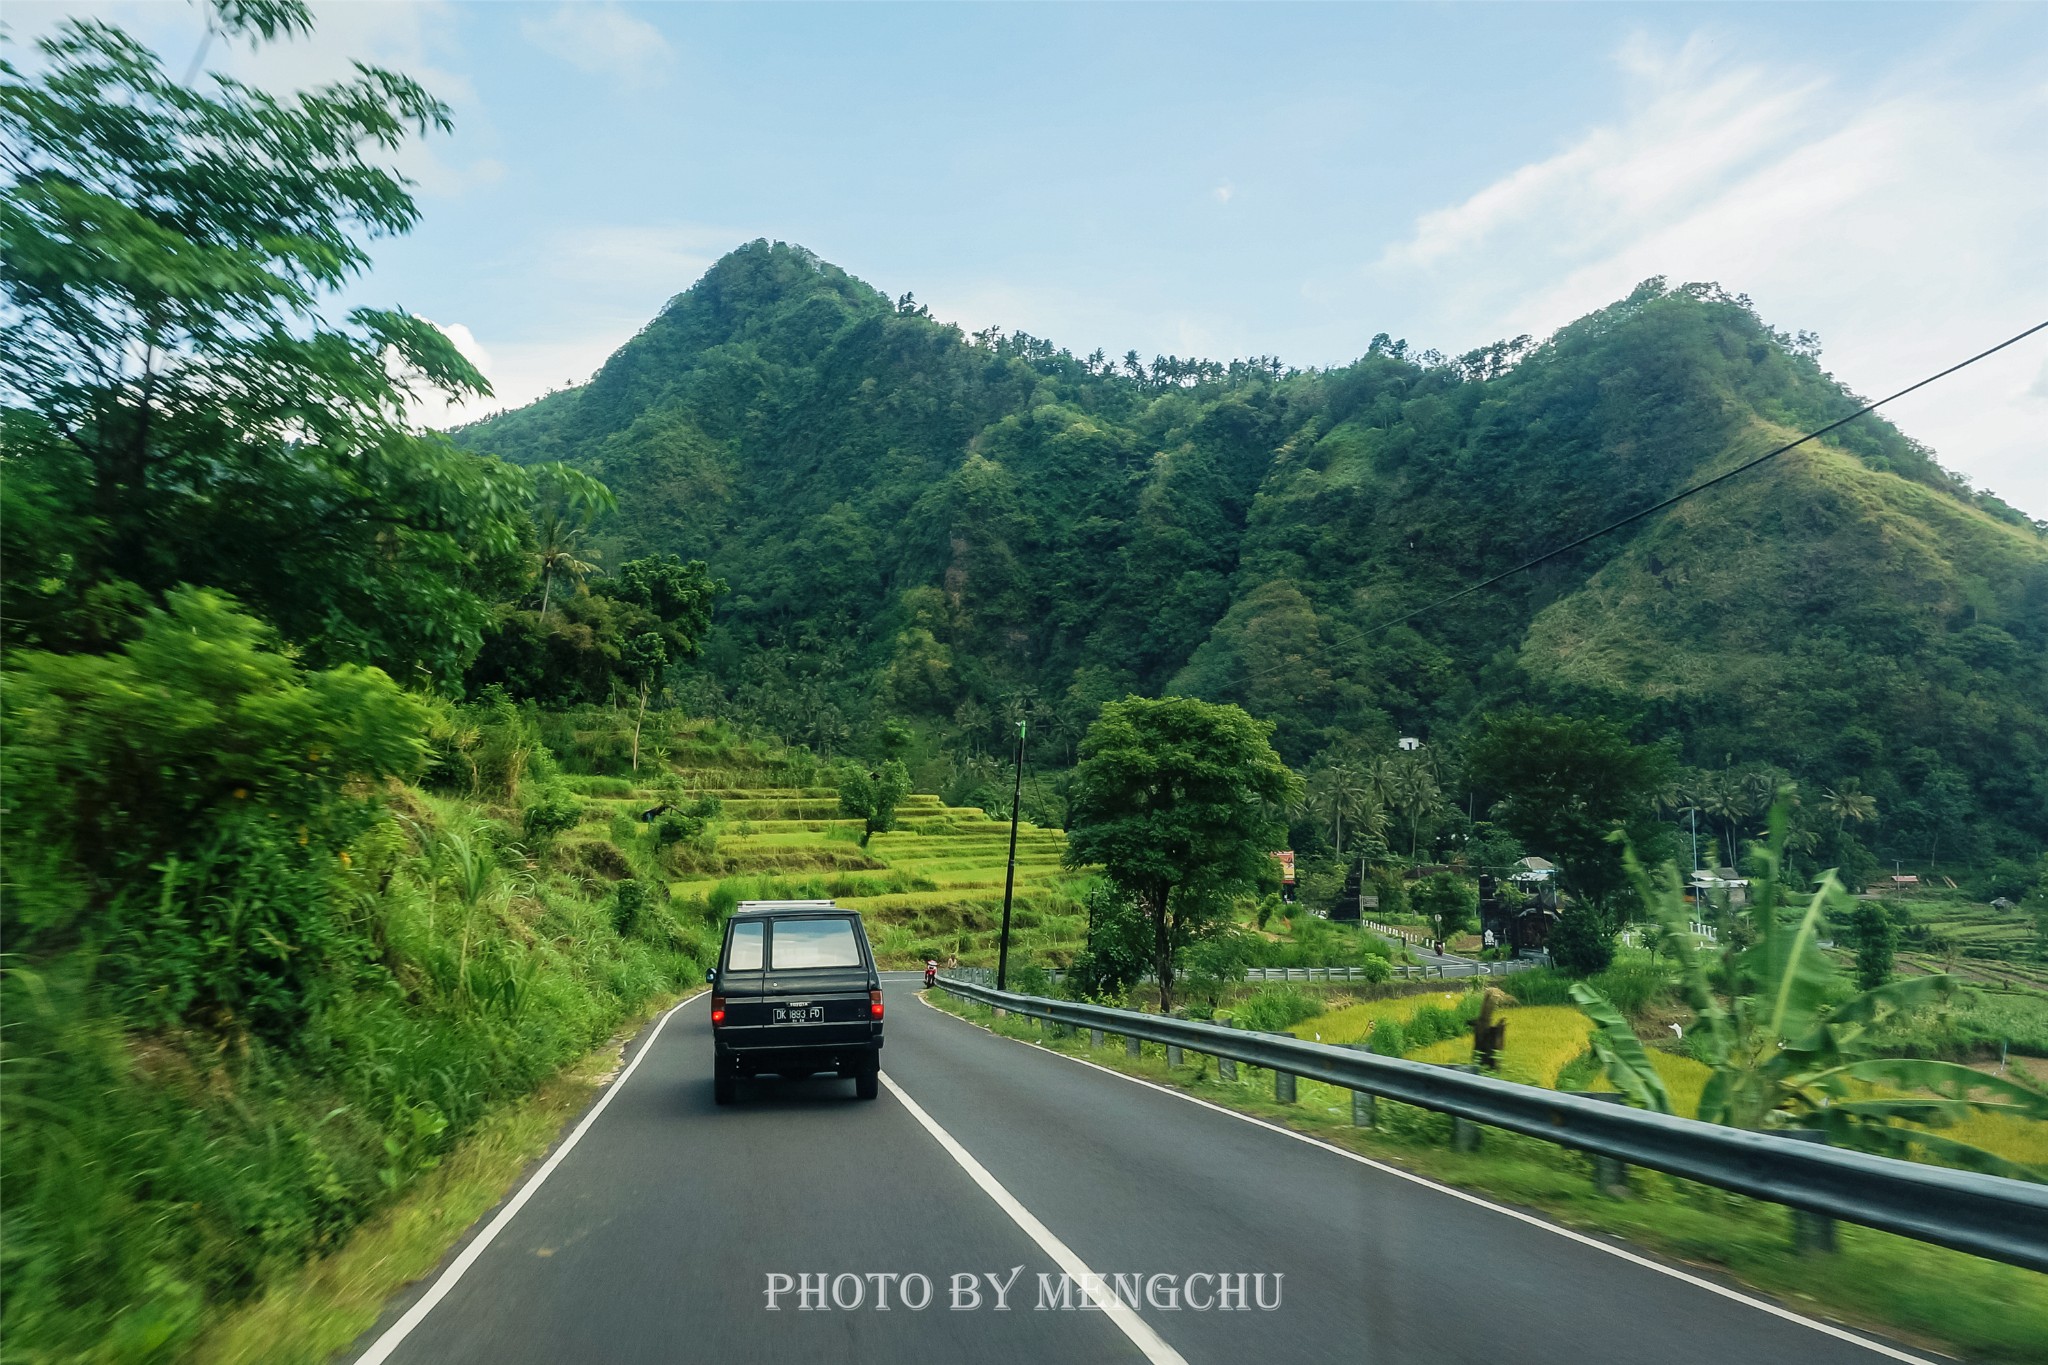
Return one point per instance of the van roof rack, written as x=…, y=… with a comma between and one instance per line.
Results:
x=746, y=906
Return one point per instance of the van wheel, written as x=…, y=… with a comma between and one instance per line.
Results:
x=868, y=1084
x=724, y=1089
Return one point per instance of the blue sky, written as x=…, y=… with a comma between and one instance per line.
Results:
x=1231, y=180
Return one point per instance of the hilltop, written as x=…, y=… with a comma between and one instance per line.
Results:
x=917, y=524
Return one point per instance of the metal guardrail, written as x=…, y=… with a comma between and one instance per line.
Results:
x=1455, y=972
x=1985, y=1215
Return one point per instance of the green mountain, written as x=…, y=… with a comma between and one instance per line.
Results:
x=918, y=524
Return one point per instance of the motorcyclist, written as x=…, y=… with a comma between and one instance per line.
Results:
x=931, y=973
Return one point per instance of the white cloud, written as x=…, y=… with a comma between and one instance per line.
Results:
x=520, y=372
x=1901, y=222
x=603, y=40
x=1224, y=192
x=601, y=284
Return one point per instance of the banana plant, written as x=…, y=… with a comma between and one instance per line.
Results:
x=1784, y=1055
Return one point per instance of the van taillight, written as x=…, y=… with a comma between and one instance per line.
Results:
x=874, y=1004
x=717, y=1009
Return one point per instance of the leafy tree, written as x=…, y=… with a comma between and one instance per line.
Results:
x=1217, y=962
x=1782, y=1056
x=1172, y=799
x=1566, y=785
x=179, y=409
x=625, y=633
x=1581, y=943
x=873, y=796
x=1492, y=850
x=1119, y=947
x=1446, y=900
x=1875, y=939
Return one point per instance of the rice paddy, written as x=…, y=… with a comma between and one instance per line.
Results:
x=930, y=888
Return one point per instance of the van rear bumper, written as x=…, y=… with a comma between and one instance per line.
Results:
x=847, y=1058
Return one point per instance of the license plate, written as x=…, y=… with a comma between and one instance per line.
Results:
x=799, y=1014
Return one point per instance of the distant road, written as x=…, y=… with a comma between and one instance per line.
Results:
x=1449, y=963
x=655, y=1238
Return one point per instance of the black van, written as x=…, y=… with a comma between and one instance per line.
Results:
x=795, y=992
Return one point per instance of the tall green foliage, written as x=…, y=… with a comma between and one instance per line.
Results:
x=177, y=407
x=244, y=1005
x=1787, y=1048
x=182, y=804
x=1875, y=940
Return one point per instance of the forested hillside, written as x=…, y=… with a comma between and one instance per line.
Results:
x=924, y=532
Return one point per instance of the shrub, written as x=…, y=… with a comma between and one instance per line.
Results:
x=1213, y=963
x=1028, y=978
x=1389, y=1039
x=598, y=786
x=483, y=749
x=554, y=812
x=631, y=902
x=1539, y=986
x=1276, y=1009
x=1432, y=1024
x=1632, y=986
x=601, y=859
x=684, y=823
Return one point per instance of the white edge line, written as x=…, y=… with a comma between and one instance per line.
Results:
x=1827, y=1329
x=1136, y=1328
x=381, y=1349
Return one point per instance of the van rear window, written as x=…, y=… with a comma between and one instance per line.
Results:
x=744, y=955
x=814, y=943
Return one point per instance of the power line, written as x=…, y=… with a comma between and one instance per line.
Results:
x=1701, y=486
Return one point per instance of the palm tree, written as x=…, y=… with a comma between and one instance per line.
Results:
x=1846, y=803
x=1723, y=797
x=558, y=536
x=1416, y=795
x=566, y=502
x=1340, y=793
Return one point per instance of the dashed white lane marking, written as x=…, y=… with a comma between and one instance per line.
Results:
x=1826, y=1329
x=380, y=1351
x=1136, y=1328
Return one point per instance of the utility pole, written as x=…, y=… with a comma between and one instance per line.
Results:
x=1010, y=877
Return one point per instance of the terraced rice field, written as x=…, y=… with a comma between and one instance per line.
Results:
x=932, y=887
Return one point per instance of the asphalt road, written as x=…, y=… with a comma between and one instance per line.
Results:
x=655, y=1238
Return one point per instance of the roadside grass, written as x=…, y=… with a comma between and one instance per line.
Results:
x=308, y=1317
x=1926, y=1295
